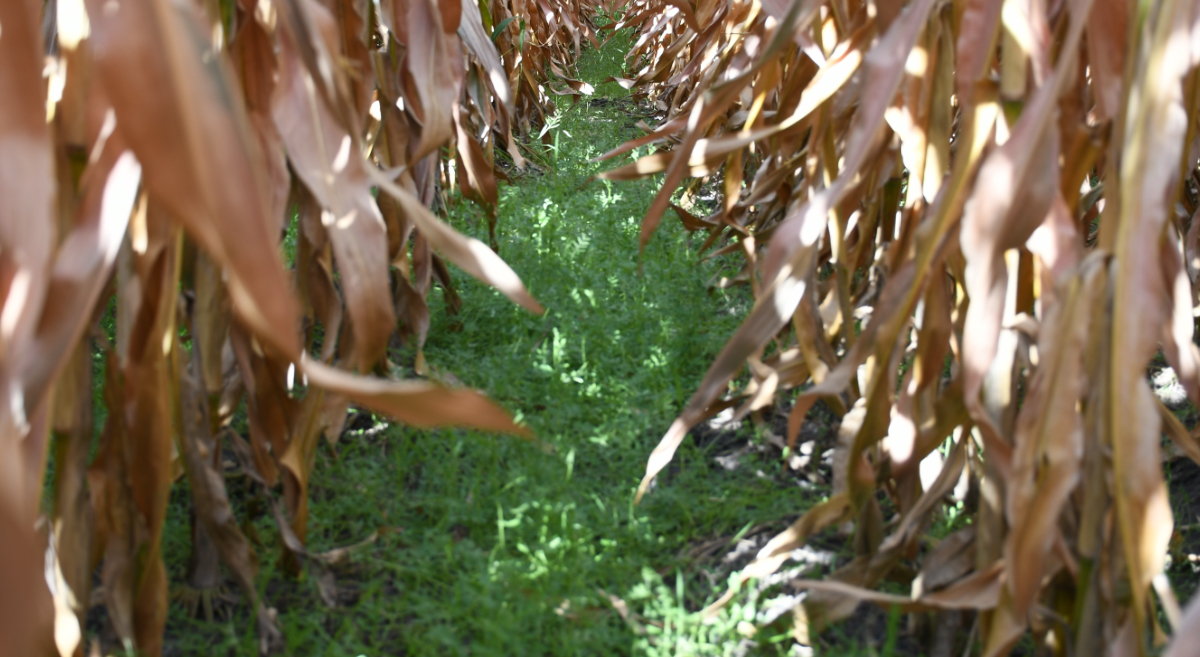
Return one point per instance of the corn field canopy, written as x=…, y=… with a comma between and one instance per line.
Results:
x=967, y=228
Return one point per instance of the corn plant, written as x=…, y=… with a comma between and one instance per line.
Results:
x=970, y=223
x=153, y=155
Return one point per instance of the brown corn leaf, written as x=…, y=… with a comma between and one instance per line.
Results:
x=1178, y=433
x=976, y=46
x=1186, y=641
x=479, y=177
x=72, y=425
x=830, y=512
x=479, y=44
x=883, y=67
x=211, y=322
x=1152, y=148
x=117, y=532
x=789, y=259
x=255, y=60
x=419, y=404
x=269, y=410
x=313, y=42
x=27, y=240
x=1106, y=28
x=149, y=389
x=952, y=559
x=198, y=447
x=1048, y=447
x=324, y=157
x=26, y=613
x=470, y=254
x=1177, y=339
x=434, y=61
x=84, y=261
x=979, y=590
x=998, y=220
x=174, y=106
x=931, y=498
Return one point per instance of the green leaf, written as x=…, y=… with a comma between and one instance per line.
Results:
x=500, y=28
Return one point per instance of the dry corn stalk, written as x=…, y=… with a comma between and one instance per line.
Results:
x=999, y=195
x=154, y=153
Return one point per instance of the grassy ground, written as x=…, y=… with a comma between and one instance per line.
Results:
x=500, y=546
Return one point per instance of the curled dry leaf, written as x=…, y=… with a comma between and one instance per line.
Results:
x=417, y=403
x=473, y=256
